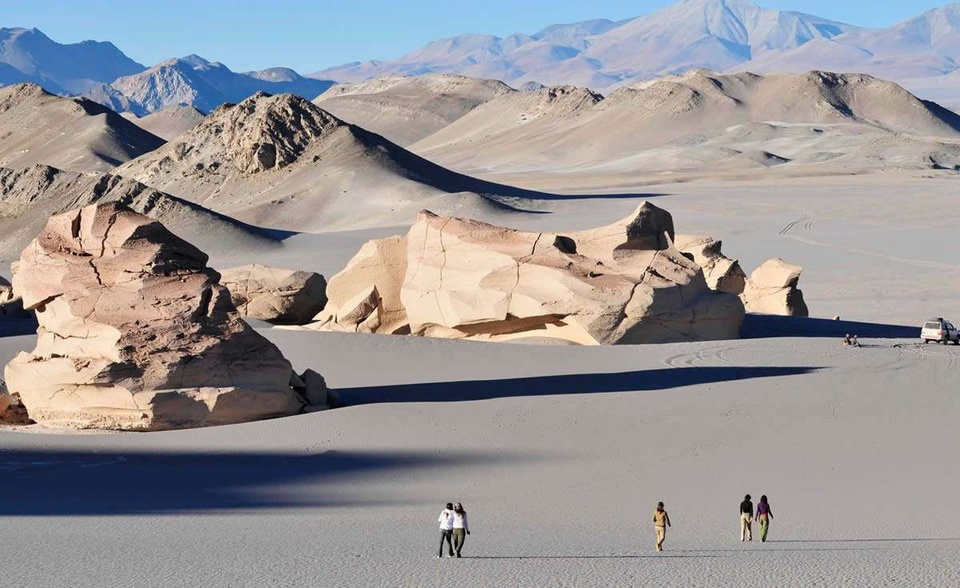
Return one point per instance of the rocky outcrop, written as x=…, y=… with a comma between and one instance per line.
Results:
x=313, y=388
x=136, y=332
x=11, y=305
x=269, y=132
x=276, y=295
x=721, y=272
x=12, y=411
x=365, y=296
x=623, y=283
x=772, y=289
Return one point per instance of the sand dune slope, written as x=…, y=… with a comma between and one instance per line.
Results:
x=702, y=118
x=75, y=134
x=407, y=109
x=168, y=123
x=28, y=197
x=282, y=162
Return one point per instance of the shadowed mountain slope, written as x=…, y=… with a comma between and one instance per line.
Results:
x=283, y=162
x=28, y=197
x=68, y=133
x=407, y=109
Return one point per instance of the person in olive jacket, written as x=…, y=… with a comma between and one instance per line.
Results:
x=661, y=520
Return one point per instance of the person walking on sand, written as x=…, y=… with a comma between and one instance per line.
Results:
x=446, y=528
x=746, y=519
x=764, y=514
x=461, y=528
x=661, y=520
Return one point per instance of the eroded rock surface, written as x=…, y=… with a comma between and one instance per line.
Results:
x=365, y=296
x=772, y=289
x=276, y=295
x=721, y=272
x=12, y=411
x=136, y=332
x=623, y=283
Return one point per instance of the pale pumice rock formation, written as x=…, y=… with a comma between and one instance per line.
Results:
x=772, y=289
x=721, y=272
x=464, y=279
x=275, y=295
x=365, y=296
x=136, y=332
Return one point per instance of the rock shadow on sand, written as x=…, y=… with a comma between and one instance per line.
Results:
x=18, y=327
x=636, y=381
x=764, y=326
x=92, y=483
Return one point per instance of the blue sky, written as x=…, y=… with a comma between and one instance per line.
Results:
x=310, y=35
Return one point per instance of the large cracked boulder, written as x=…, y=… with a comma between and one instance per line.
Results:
x=623, y=283
x=136, y=332
x=365, y=296
x=721, y=272
x=275, y=295
x=772, y=289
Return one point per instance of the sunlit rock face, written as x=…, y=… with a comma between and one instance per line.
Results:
x=464, y=279
x=136, y=331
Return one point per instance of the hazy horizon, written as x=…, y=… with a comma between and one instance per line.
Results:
x=308, y=38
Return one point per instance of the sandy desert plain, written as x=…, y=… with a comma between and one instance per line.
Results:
x=558, y=452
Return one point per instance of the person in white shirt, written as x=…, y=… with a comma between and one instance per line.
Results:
x=461, y=527
x=446, y=528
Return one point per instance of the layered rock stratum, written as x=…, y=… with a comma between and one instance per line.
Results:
x=464, y=279
x=136, y=332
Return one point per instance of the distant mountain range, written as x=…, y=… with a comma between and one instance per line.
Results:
x=101, y=72
x=194, y=81
x=27, y=55
x=720, y=35
x=922, y=53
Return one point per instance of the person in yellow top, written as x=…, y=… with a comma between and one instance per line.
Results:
x=661, y=520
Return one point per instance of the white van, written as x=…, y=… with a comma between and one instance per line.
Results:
x=940, y=331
